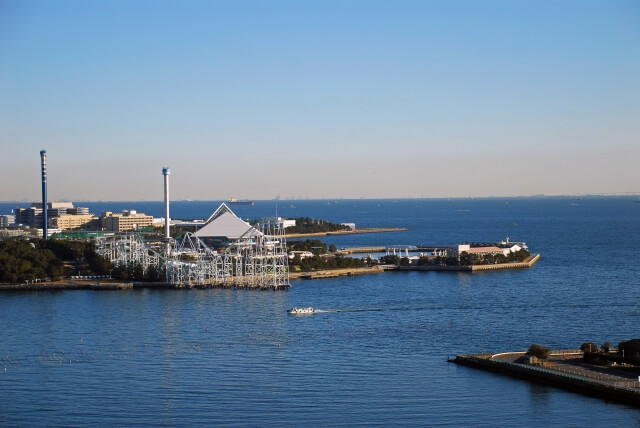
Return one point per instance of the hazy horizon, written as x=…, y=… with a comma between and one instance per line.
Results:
x=588, y=195
x=319, y=99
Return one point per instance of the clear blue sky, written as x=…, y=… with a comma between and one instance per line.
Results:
x=320, y=99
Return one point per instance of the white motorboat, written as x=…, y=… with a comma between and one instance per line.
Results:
x=301, y=311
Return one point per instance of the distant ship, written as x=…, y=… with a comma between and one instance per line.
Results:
x=240, y=201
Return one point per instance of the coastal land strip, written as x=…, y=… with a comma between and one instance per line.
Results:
x=565, y=369
x=348, y=232
x=112, y=284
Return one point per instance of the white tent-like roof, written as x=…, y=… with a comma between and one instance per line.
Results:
x=224, y=223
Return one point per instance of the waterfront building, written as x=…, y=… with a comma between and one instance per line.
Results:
x=32, y=216
x=7, y=220
x=127, y=220
x=224, y=227
x=78, y=211
x=50, y=232
x=278, y=220
x=12, y=233
x=77, y=221
x=302, y=254
x=485, y=250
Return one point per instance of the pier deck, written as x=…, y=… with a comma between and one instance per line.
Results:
x=564, y=369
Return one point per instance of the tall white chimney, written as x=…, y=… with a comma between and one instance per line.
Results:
x=165, y=173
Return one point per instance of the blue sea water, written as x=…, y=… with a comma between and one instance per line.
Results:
x=376, y=353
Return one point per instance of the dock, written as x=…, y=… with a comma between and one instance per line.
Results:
x=564, y=369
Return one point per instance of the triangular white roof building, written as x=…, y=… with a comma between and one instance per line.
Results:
x=224, y=223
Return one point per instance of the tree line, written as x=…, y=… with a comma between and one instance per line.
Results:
x=310, y=225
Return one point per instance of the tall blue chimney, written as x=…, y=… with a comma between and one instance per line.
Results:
x=45, y=217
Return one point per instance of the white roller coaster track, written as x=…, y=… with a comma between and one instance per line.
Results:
x=258, y=262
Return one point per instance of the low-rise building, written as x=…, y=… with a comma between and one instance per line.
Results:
x=127, y=220
x=281, y=222
x=80, y=221
x=302, y=254
x=7, y=220
x=32, y=216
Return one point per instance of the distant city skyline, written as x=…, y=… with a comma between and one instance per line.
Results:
x=319, y=99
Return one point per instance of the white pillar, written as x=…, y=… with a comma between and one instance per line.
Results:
x=165, y=173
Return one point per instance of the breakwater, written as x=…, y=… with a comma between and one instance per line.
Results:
x=69, y=285
x=533, y=259
x=347, y=232
x=563, y=372
x=335, y=273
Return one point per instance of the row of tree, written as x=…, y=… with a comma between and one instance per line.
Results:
x=314, y=263
x=22, y=260
x=314, y=246
x=310, y=225
x=467, y=259
x=542, y=352
x=136, y=272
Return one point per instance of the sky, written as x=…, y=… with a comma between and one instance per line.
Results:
x=319, y=99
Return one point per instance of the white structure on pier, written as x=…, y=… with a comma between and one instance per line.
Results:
x=398, y=250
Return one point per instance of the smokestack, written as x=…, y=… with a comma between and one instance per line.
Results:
x=165, y=173
x=43, y=162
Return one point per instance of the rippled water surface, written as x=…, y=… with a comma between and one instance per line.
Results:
x=374, y=354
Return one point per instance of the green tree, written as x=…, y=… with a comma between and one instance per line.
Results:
x=137, y=272
x=589, y=347
x=151, y=274
x=390, y=259
x=539, y=351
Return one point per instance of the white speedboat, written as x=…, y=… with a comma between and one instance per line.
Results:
x=301, y=311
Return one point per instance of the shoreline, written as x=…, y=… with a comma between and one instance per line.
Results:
x=530, y=261
x=92, y=284
x=335, y=273
x=348, y=232
x=565, y=370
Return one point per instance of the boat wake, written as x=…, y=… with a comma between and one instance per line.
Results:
x=370, y=309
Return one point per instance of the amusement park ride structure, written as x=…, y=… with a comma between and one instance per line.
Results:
x=257, y=259
x=252, y=258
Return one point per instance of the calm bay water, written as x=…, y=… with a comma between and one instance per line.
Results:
x=374, y=355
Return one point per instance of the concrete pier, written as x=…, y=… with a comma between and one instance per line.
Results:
x=564, y=369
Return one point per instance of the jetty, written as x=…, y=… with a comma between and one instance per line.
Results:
x=565, y=369
x=336, y=273
x=348, y=232
x=69, y=285
x=530, y=261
